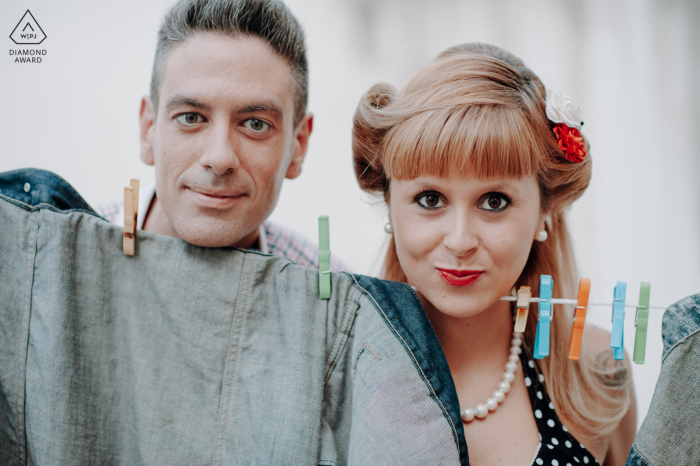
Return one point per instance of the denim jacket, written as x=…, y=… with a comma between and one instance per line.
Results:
x=670, y=433
x=189, y=355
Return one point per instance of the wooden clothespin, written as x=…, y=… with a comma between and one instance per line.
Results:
x=523, y=307
x=324, y=258
x=131, y=211
x=544, y=316
x=584, y=290
x=618, y=321
x=641, y=320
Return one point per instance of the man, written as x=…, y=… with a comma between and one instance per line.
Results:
x=224, y=125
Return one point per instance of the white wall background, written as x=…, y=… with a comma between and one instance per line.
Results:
x=631, y=65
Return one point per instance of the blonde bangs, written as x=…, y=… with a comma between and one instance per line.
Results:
x=489, y=141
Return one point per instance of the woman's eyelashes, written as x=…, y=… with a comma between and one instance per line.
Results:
x=429, y=200
x=490, y=202
x=495, y=202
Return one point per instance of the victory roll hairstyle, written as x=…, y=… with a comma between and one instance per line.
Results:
x=269, y=20
x=477, y=109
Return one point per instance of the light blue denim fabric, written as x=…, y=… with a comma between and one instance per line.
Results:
x=190, y=355
x=670, y=433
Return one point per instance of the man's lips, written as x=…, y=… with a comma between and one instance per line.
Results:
x=459, y=277
x=216, y=198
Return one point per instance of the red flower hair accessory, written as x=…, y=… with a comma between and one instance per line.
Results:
x=567, y=120
x=571, y=142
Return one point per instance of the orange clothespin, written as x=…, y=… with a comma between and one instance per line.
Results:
x=523, y=305
x=131, y=211
x=584, y=290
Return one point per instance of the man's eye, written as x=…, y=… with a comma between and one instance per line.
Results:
x=189, y=119
x=257, y=125
x=495, y=203
x=429, y=200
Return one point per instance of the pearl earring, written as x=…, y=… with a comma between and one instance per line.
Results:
x=542, y=236
x=388, y=229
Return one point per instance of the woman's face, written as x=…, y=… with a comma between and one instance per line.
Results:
x=463, y=242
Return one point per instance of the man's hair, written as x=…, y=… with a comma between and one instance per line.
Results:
x=269, y=20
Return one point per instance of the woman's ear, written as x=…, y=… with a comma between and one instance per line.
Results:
x=548, y=221
x=541, y=232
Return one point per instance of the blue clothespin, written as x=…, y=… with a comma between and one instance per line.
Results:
x=324, y=258
x=618, y=321
x=544, y=318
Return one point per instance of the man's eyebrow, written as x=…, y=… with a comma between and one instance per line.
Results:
x=262, y=107
x=178, y=100
x=271, y=107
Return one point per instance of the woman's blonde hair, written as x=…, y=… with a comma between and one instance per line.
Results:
x=478, y=109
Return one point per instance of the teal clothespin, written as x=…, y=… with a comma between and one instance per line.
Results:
x=641, y=320
x=324, y=258
x=618, y=321
x=544, y=318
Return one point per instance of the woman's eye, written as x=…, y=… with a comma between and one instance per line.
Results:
x=256, y=125
x=495, y=203
x=189, y=119
x=429, y=200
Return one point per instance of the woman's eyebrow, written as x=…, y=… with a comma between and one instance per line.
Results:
x=503, y=186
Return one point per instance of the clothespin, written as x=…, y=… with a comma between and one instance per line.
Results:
x=640, y=322
x=324, y=258
x=131, y=211
x=544, y=313
x=618, y=321
x=523, y=305
x=584, y=290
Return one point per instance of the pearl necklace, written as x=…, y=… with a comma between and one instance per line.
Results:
x=482, y=410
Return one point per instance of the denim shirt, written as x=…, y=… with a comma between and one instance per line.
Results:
x=189, y=355
x=670, y=433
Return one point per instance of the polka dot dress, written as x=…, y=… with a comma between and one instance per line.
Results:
x=557, y=446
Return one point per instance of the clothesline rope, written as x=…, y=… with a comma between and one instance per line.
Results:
x=574, y=302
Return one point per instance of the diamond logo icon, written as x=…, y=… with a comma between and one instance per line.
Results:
x=28, y=31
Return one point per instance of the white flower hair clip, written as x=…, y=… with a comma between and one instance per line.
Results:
x=566, y=116
x=561, y=109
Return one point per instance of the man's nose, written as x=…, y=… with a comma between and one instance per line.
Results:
x=220, y=154
x=461, y=236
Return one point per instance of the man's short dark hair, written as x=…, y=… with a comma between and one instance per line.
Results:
x=269, y=20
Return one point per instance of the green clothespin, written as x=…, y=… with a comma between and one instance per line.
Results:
x=640, y=321
x=324, y=258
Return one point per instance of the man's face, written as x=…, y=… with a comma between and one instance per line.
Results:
x=223, y=140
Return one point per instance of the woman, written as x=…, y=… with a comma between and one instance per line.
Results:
x=476, y=177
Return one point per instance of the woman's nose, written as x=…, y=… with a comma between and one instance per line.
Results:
x=461, y=237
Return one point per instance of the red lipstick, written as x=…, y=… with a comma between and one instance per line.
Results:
x=459, y=277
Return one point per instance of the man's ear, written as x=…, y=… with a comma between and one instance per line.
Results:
x=146, y=122
x=301, y=144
